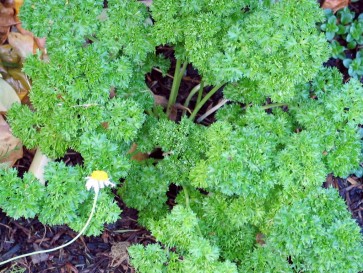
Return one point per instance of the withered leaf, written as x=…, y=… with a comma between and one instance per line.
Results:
x=7, y=19
x=19, y=82
x=9, y=56
x=22, y=44
x=10, y=147
x=8, y=96
x=138, y=156
x=335, y=5
x=17, y=5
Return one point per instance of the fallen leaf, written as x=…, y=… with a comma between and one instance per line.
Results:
x=8, y=96
x=119, y=253
x=7, y=19
x=9, y=11
x=329, y=181
x=138, y=156
x=4, y=31
x=335, y=5
x=9, y=56
x=22, y=44
x=160, y=100
x=17, y=5
x=19, y=82
x=10, y=147
x=173, y=113
x=38, y=42
x=163, y=101
x=2, y=69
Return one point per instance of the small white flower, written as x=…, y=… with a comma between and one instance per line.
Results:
x=98, y=180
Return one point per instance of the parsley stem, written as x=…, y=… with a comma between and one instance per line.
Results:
x=204, y=100
x=178, y=76
x=200, y=94
x=191, y=94
x=187, y=200
x=187, y=204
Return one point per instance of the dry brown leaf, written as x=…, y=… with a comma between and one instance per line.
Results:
x=335, y=5
x=119, y=253
x=7, y=16
x=7, y=19
x=160, y=100
x=17, y=5
x=9, y=57
x=11, y=148
x=163, y=101
x=8, y=96
x=9, y=11
x=173, y=114
x=138, y=156
x=20, y=82
x=22, y=44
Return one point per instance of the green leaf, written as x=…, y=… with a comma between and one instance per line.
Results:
x=347, y=62
x=346, y=16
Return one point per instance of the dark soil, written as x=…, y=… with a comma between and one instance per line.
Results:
x=88, y=254
x=351, y=190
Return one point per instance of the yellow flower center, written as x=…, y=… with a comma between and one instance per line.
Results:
x=99, y=175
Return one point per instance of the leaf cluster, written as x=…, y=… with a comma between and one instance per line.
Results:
x=254, y=166
x=90, y=96
x=226, y=44
x=345, y=32
x=314, y=240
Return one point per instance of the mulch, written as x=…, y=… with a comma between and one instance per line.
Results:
x=105, y=253
x=351, y=190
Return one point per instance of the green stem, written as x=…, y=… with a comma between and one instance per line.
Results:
x=187, y=204
x=182, y=71
x=200, y=94
x=191, y=94
x=204, y=100
x=269, y=106
x=66, y=244
x=178, y=76
x=187, y=199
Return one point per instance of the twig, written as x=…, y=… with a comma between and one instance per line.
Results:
x=212, y=110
